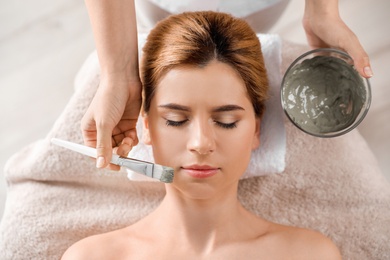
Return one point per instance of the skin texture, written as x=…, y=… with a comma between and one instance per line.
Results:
x=110, y=121
x=201, y=218
x=111, y=118
x=202, y=134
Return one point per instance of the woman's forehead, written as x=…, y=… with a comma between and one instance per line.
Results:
x=216, y=84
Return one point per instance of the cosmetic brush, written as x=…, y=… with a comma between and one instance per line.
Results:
x=152, y=170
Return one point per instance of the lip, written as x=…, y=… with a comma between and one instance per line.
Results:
x=200, y=171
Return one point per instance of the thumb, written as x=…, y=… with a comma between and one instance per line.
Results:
x=103, y=147
x=360, y=58
x=362, y=63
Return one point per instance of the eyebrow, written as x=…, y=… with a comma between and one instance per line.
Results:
x=174, y=106
x=224, y=108
x=227, y=108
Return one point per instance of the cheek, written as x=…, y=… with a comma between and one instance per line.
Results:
x=166, y=143
x=239, y=145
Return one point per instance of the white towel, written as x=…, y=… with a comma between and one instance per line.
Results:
x=269, y=158
x=237, y=8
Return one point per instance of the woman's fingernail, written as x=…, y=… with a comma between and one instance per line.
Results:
x=368, y=72
x=100, y=162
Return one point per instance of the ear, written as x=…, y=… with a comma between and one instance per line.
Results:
x=256, y=137
x=145, y=130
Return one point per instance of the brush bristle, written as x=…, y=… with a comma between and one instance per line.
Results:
x=167, y=175
x=163, y=173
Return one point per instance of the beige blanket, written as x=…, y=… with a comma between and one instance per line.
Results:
x=57, y=197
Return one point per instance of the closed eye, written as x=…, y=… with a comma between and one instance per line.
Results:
x=175, y=123
x=225, y=125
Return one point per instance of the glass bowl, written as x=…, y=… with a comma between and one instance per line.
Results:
x=323, y=94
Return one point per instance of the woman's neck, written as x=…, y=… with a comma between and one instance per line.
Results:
x=203, y=224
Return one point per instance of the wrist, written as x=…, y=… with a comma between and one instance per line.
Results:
x=123, y=74
x=316, y=8
x=120, y=68
x=121, y=82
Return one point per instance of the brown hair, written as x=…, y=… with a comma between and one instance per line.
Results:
x=196, y=38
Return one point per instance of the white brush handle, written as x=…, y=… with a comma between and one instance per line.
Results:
x=152, y=170
x=86, y=150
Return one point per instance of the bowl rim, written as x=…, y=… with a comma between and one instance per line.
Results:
x=367, y=103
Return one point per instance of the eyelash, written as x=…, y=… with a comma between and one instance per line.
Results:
x=180, y=123
x=175, y=123
x=226, y=126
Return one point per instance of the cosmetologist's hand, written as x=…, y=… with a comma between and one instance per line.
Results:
x=110, y=121
x=324, y=28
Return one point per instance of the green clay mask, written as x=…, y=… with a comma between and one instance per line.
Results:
x=323, y=94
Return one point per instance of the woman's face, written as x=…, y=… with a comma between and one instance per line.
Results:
x=201, y=122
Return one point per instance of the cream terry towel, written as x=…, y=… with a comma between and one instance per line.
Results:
x=56, y=197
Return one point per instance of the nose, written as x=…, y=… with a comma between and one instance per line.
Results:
x=202, y=138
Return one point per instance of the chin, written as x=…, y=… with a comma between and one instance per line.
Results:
x=198, y=193
x=203, y=189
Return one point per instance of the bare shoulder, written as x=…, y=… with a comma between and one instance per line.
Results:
x=318, y=245
x=97, y=246
x=303, y=243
